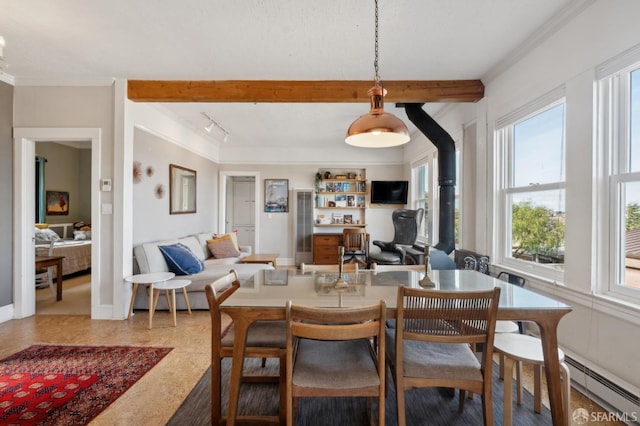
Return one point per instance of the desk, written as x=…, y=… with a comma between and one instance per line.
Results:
x=256, y=301
x=149, y=280
x=46, y=261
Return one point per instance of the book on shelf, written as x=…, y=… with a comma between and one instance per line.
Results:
x=360, y=201
x=351, y=200
x=341, y=200
x=345, y=186
x=348, y=219
x=337, y=218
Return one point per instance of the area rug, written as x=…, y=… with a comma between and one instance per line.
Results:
x=423, y=406
x=69, y=385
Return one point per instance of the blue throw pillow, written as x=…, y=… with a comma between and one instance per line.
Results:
x=181, y=260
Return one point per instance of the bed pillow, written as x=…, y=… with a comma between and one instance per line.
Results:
x=46, y=235
x=223, y=247
x=181, y=260
x=81, y=235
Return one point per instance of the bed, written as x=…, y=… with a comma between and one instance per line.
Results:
x=75, y=246
x=77, y=255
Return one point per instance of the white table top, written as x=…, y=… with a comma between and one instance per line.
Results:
x=171, y=284
x=150, y=278
x=272, y=288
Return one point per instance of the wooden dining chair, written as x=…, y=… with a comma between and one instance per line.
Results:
x=431, y=345
x=336, y=352
x=306, y=267
x=265, y=339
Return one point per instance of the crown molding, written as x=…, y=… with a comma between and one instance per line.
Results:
x=62, y=82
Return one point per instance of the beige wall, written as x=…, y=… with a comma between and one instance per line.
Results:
x=66, y=170
x=6, y=194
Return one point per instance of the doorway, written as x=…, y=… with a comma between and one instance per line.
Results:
x=25, y=140
x=239, y=206
x=63, y=169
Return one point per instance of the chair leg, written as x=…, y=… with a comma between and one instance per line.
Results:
x=400, y=397
x=282, y=388
x=461, y=402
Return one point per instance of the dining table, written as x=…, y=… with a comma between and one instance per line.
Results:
x=264, y=297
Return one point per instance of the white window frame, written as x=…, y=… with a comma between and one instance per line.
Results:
x=503, y=143
x=614, y=142
x=431, y=161
x=433, y=201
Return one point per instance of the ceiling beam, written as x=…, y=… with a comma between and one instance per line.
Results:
x=399, y=91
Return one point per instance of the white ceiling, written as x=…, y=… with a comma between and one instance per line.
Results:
x=95, y=41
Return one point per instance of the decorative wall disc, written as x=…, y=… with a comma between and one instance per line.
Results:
x=160, y=191
x=137, y=172
x=150, y=171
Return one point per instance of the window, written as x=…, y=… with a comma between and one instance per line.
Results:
x=531, y=144
x=619, y=113
x=426, y=195
x=423, y=198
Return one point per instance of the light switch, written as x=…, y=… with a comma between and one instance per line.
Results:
x=107, y=208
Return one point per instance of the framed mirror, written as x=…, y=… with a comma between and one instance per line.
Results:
x=182, y=190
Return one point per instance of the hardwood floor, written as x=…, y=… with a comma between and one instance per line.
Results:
x=155, y=397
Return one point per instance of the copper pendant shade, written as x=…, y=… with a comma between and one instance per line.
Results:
x=377, y=129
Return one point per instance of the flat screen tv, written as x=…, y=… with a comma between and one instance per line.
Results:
x=389, y=191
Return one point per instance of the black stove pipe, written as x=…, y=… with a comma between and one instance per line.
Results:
x=446, y=172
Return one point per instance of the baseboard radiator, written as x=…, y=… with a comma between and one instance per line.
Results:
x=605, y=392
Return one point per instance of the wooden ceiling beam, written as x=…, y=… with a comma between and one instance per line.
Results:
x=400, y=91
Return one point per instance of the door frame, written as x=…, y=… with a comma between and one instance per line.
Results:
x=222, y=202
x=24, y=140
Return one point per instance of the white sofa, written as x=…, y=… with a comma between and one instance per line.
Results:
x=148, y=258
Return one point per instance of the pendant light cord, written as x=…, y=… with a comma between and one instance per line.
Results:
x=375, y=61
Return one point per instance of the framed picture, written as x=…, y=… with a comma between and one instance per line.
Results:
x=182, y=190
x=276, y=195
x=57, y=203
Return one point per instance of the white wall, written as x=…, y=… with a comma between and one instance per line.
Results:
x=598, y=332
x=276, y=228
x=151, y=218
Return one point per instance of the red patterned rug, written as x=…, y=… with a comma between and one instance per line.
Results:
x=69, y=385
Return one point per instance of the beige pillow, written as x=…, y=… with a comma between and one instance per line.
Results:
x=223, y=246
x=233, y=235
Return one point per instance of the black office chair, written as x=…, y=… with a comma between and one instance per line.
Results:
x=406, y=224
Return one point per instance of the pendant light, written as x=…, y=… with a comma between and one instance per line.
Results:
x=377, y=129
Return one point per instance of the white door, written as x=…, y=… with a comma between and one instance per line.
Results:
x=242, y=212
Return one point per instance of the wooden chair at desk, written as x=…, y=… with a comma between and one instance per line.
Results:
x=356, y=244
x=265, y=339
x=336, y=352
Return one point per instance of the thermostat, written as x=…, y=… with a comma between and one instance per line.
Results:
x=105, y=185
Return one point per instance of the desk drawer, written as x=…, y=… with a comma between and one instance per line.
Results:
x=325, y=259
x=330, y=240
